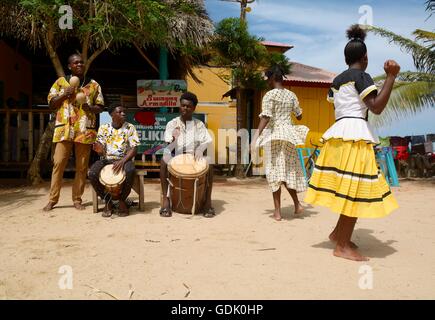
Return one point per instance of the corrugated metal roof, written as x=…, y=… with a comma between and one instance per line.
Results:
x=304, y=73
x=276, y=44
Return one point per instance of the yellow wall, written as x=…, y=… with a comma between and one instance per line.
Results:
x=220, y=112
x=318, y=114
x=212, y=87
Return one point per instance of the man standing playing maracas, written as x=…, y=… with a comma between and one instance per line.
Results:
x=77, y=100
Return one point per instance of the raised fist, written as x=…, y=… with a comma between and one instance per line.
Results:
x=391, y=67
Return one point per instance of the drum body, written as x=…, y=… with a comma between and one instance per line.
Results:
x=187, y=183
x=112, y=182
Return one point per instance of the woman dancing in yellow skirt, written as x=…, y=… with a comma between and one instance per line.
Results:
x=346, y=177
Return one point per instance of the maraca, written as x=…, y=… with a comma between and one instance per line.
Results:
x=80, y=98
x=74, y=81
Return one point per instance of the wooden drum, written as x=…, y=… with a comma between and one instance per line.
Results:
x=112, y=182
x=187, y=183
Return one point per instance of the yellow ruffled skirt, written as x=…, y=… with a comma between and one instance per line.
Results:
x=347, y=180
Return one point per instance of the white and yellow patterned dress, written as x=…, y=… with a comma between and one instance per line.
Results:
x=280, y=138
x=346, y=177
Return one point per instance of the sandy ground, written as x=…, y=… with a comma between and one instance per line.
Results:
x=242, y=253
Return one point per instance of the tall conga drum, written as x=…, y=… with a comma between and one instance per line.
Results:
x=187, y=183
x=112, y=182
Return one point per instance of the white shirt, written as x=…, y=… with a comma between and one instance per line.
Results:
x=192, y=135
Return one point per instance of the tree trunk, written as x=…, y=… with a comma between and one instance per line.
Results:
x=34, y=172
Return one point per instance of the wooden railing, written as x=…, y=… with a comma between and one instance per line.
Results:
x=7, y=148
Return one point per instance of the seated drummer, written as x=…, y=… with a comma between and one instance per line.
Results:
x=116, y=144
x=186, y=134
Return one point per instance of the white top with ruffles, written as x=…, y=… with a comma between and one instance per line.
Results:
x=347, y=93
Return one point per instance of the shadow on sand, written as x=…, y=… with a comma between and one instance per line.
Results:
x=368, y=244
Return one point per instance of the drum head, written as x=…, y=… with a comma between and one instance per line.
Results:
x=109, y=178
x=185, y=165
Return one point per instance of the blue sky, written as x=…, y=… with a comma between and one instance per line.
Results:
x=317, y=31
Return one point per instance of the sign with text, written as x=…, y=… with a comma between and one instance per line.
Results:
x=160, y=93
x=150, y=127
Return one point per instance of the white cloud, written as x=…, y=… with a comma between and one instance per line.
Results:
x=317, y=30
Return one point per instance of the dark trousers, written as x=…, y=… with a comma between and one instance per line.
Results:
x=94, y=177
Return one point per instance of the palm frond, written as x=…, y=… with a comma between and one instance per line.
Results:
x=407, y=76
x=407, y=98
x=426, y=37
x=424, y=58
x=430, y=6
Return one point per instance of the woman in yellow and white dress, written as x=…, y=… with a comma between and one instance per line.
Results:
x=279, y=137
x=346, y=178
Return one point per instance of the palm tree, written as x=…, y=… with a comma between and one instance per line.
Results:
x=413, y=91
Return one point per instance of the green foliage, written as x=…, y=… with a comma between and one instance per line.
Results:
x=424, y=57
x=243, y=53
x=110, y=22
x=406, y=99
x=413, y=91
x=280, y=61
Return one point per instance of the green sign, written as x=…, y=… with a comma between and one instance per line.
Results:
x=150, y=127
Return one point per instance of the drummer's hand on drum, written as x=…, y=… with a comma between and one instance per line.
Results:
x=199, y=155
x=118, y=166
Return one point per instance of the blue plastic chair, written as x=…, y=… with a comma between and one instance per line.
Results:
x=384, y=158
x=303, y=154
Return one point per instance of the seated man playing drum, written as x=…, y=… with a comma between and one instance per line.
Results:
x=186, y=134
x=117, y=145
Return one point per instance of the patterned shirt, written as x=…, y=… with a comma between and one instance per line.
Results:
x=117, y=142
x=192, y=135
x=72, y=122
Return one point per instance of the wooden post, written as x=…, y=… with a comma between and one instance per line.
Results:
x=41, y=125
x=6, y=145
x=163, y=64
x=18, y=136
x=30, y=135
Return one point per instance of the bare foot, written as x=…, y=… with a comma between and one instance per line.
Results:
x=299, y=209
x=277, y=216
x=348, y=253
x=49, y=206
x=333, y=239
x=79, y=206
x=123, y=209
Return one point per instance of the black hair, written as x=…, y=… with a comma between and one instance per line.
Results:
x=355, y=48
x=276, y=73
x=189, y=96
x=73, y=55
x=112, y=107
